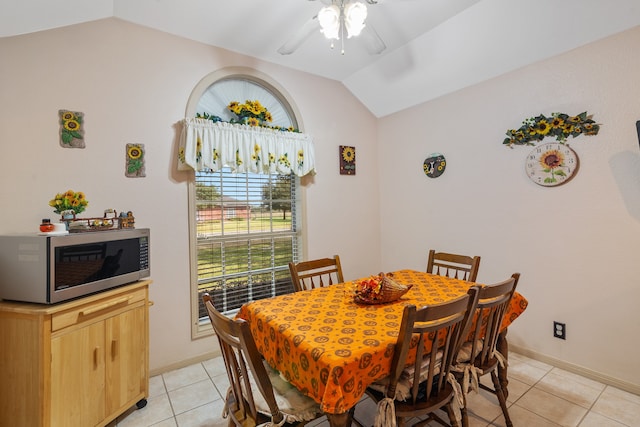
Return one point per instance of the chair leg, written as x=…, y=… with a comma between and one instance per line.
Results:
x=501, y=398
x=352, y=416
x=463, y=413
x=452, y=415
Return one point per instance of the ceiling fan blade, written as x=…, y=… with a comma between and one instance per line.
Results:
x=372, y=41
x=300, y=36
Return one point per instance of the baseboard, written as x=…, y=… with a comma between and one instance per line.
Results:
x=184, y=363
x=576, y=369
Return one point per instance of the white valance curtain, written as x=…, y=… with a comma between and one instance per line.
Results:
x=205, y=144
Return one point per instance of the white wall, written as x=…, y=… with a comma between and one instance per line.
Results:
x=577, y=245
x=132, y=84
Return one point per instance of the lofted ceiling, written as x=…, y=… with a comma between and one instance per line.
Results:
x=433, y=47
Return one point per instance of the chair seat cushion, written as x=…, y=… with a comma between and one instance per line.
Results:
x=405, y=382
x=294, y=405
x=464, y=354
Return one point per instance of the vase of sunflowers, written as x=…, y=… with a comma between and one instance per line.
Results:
x=69, y=204
x=251, y=113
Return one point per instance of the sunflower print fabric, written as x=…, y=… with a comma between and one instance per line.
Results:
x=332, y=348
x=207, y=145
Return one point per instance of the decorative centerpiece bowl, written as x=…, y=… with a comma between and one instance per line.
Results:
x=379, y=289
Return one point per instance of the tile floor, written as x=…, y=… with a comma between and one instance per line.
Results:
x=539, y=396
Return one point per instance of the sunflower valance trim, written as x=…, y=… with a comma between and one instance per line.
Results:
x=207, y=145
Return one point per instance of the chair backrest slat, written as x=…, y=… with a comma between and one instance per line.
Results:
x=493, y=302
x=461, y=267
x=316, y=273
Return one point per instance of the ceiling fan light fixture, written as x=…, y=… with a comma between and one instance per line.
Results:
x=329, y=18
x=354, y=15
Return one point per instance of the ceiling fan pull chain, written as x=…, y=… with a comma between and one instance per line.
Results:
x=342, y=30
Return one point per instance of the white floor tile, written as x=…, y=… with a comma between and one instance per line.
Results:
x=209, y=415
x=620, y=394
x=215, y=366
x=522, y=417
x=184, y=376
x=158, y=409
x=570, y=388
x=596, y=420
x=483, y=406
x=516, y=389
x=526, y=371
x=156, y=386
x=618, y=406
x=191, y=396
x=171, y=422
x=222, y=384
x=552, y=408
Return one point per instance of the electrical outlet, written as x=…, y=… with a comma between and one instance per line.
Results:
x=560, y=330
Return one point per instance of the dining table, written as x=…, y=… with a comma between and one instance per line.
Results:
x=331, y=347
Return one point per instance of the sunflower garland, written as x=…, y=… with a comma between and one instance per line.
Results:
x=558, y=125
x=250, y=113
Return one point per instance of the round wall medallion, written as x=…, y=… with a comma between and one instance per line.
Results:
x=551, y=164
x=434, y=165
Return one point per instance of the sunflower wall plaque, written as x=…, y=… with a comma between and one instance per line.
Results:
x=347, y=160
x=434, y=165
x=135, y=161
x=71, y=129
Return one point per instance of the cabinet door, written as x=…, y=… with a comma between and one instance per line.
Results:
x=77, y=377
x=126, y=368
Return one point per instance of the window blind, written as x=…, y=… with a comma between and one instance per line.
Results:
x=247, y=234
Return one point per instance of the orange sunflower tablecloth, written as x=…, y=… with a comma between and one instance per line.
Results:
x=332, y=348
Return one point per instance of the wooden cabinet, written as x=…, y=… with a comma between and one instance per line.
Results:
x=80, y=363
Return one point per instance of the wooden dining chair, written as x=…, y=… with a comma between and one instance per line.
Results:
x=479, y=353
x=316, y=273
x=461, y=267
x=424, y=386
x=257, y=394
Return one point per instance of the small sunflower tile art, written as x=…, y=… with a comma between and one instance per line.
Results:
x=135, y=161
x=434, y=165
x=347, y=160
x=71, y=129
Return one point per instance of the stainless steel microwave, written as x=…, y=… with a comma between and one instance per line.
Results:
x=49, y=269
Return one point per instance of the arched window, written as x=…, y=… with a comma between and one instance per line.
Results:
x=245, y=226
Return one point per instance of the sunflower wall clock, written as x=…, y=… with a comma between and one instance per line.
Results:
x=551, y=164
x=347, y=160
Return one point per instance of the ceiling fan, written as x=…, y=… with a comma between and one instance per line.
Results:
x=338, y=20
